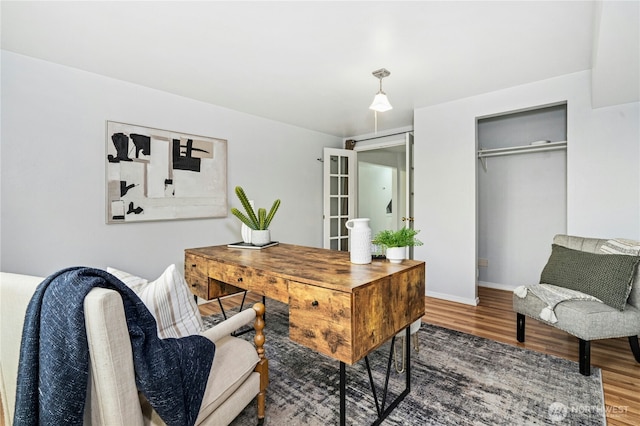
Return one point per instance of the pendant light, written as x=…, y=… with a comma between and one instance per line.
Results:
x=380, y=102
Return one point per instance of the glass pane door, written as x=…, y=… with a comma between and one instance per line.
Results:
x=409, y=186
x=339, y=196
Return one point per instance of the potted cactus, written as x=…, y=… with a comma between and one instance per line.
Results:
x=258, y=222
x=396, y=242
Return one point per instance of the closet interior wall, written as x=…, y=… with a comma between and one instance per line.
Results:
x=522, y=197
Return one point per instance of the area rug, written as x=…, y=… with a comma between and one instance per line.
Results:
x=456, y=379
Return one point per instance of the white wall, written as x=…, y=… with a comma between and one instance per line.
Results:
x=603, y=174
x=53, y=171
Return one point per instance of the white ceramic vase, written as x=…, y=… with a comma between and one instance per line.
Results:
x=396, y=254
x=260, y=237
x=360, y=238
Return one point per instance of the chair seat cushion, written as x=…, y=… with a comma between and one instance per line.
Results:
x=586, y=320
x=234, y=361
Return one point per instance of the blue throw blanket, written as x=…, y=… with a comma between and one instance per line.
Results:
x=54, y=355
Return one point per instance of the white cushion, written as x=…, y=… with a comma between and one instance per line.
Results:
x=169, y=300
x=233, y=362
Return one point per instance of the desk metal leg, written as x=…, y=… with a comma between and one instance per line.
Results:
x=224, y=314
x=343, y=394
x=382, y=412
x=408, y=355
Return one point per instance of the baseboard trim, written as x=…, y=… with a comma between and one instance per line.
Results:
x=497, y=286
x=451, y=298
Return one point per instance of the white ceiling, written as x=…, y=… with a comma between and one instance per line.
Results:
x=309, y=63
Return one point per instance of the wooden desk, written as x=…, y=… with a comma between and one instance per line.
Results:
x=337, y=308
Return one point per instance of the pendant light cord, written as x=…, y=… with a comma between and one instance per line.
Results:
x=375, y=119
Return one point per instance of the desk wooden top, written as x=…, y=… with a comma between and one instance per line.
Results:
x=337, y=308
x=315, y=266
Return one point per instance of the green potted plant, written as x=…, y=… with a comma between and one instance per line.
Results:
x=396, y=242
x=258, y=222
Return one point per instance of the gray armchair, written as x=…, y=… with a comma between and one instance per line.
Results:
x=585, y=319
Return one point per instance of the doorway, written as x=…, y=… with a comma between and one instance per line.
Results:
x=382, y=187
x=373, y=180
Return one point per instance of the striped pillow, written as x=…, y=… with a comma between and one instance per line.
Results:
x=169, y=300
x=621, y=246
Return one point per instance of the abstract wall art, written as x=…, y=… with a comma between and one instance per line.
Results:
x=157, y=174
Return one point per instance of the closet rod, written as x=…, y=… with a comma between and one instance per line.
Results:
x=498, y=152
x=521, y=149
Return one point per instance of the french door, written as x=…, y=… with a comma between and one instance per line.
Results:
x=341, y=187
x=340, y=168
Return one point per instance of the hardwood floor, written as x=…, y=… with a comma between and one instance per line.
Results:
x=494, y=319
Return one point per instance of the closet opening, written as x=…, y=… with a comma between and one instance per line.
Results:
x=521, y=193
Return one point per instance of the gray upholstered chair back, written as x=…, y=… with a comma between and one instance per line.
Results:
x=592, y=245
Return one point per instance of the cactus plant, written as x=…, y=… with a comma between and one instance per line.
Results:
x=262, y=220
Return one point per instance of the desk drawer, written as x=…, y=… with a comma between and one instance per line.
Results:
x=196, y=275
x=253, y=280
x=320, y=319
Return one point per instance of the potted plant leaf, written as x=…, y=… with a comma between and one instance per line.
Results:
x=396, y=242
x=258, y=221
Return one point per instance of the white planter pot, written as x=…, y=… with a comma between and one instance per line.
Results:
x=260, y=237
x=245, y=231
x=415, y=326
x=396, y=254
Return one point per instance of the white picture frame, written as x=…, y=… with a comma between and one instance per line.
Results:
x=154, y=174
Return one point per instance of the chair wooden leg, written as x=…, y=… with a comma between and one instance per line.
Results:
x=520, y=327
x=585, y=357
x=263, y=365
x=635, y=347
x=261, y=407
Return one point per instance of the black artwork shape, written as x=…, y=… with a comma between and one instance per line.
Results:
x=185, y=161
x=124, y=188
x=168, y=183
x=142, y=143
x=136, y=210
x=121, y=143
x=198, y=149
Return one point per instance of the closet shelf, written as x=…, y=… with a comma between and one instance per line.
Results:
x=498, y=152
